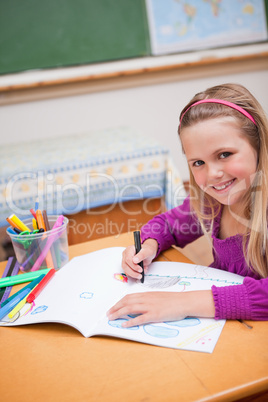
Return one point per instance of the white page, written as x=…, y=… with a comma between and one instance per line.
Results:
x=198, y=334
x=81, y=293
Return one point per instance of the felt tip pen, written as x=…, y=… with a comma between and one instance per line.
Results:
x=9, y=306
x=45, y=218
x=11, y=297
x=13, y=224
x=40, y=220
x=11, y=231
x=19, y=224
x=49, y=243
x=21, y=278
x=47, y=225
x=33, y=213
x=34, y=224
x=137, y=240
x=30, y=286
x=17, y=308
x=35, y=292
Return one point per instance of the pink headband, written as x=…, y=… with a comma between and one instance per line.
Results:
x=223, y=102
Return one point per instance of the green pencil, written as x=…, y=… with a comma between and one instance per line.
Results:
x=21, y=278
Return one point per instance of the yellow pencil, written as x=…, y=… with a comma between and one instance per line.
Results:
x=34, y=224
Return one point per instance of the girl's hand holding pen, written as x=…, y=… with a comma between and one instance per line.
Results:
x=131, y=260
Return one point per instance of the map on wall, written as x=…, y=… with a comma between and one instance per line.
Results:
x=179, y=25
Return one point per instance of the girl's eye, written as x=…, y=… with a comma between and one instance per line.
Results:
x=198, y=163
x=224, y=155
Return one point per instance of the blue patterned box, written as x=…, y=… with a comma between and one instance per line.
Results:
x=77, y=172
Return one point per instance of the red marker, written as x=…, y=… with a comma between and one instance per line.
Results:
x=33, y=213
x=35, y=292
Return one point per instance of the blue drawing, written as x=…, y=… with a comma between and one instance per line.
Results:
x=86, y=295
x=186, y=322
x=118, y=324
x=39, y=309
x=160, y=332
x=208, y=279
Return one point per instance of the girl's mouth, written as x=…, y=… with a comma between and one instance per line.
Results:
x=224, y=185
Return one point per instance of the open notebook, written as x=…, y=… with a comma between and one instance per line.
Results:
x=82, y=292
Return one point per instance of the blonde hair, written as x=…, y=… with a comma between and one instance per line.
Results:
x=256, y=199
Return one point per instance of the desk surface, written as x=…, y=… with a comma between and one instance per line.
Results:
x=53, y=362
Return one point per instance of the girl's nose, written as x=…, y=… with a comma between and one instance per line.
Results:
x=214, y=171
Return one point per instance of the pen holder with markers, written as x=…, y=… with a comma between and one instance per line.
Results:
x=36, y=250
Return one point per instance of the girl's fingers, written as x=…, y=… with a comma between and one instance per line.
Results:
x=130, y=268
x=139, y=319
x=127, y=259
x=146, y=307
x=131, y=260
x=134, y=274
x=130, y=304
x=130, y=272
x=136, y=321
x=141, y=255
x=142, y=316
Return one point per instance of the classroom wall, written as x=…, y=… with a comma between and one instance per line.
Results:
x=151, y=109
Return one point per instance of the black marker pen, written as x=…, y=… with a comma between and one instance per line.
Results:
x=137, y=240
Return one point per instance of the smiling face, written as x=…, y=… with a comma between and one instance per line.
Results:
x=221, y=159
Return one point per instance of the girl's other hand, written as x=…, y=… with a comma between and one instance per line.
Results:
x=162, y=306
x=130, y=259
x=150, y=307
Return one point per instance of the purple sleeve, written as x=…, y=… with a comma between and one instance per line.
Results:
x=248, y=301
x=178, y=226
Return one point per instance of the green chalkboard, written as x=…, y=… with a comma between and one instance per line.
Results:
x=37, y=34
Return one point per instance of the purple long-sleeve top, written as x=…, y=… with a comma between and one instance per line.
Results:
x=180, y=226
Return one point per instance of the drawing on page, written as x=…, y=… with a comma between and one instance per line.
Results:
x=200, y=271
x=186, y=322
x=204, y=339
x=26, y=309
x=39, y=309
x=118, y=324
x=160, y=282
x=201, y=274
x=184, y=284
x=121, y=277
x=200, y=334
x=86, y=295
x=7, y=320
x=151, y=281
x=158, y=331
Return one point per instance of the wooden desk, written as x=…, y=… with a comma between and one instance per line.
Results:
x=53, y=362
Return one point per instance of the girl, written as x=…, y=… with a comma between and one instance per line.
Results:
x=224, y=134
